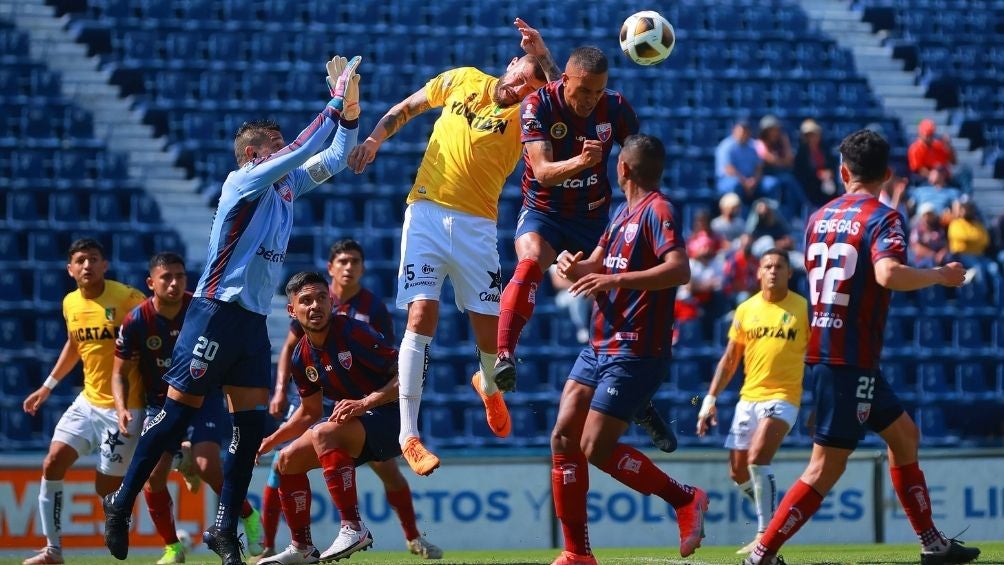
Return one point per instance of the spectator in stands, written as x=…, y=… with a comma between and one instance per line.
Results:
x=928, y=240
x=738, y=168
x=893, y=195
x=815, y=164
x=701, y=226
x=729, y=224
x=579, y=308
x=774, y=148
x=968, y=238
x=936, y=192
x=740, y=280
x=707, y=277
x=765, y=223
x=928, y=152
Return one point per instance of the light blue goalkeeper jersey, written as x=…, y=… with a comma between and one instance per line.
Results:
x=247, y=245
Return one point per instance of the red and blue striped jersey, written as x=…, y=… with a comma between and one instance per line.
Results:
x=354, y=361
x=544, y=116
x=843, y=241
x=637, y=322
x=365, y=307
x=148, y=338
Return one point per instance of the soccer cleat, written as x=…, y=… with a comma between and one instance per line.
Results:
x=765, y=560
x=225, y=544
x=420, y=459
x=187, y=468
x=653, y=424
x=691, y=522
x=424, y=548
x=748, y=548
x=495, y=409
x=48, y=555
x=956, y=553
x=292, y=555
x=117, y=522
x=348, y=542
x=505, y=373
x=173, y=553
x=266, y=552
x=253, y=532
x=569, y=558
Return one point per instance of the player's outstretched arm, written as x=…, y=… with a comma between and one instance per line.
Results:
x=120, y=391
x=549, y=172
x=391, y=122
x=68, y=358
x=309, y=412
x=673, y=271
x=332, y=160
x=727, y=366
x=533, y=44
x=348, y=409
x=574, y=267
x=892, y=274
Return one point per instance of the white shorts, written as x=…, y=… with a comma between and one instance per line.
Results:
x=748, y=416
x=436, y=243
x=87, y=428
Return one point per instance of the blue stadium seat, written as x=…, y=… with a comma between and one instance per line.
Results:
x=20, y=430
x=12, y=333
x=439, y=426
x=931, y=421
x=974, y=381
x=929, y=333
x=689, y=334
x=968, y=334
x=78, y=124
x=167, y=241
x=687, y=379
x=144, y=210
x=933, y=381
x=106, y=209
x=931, y=298
x=12, y=286
x=894, y=337
x=129, y=247
x=526, y=428
x=37, y=122
x=47, y=246
x=476, y=426
x=16, y=379
x=340, y=212
x=445, y=381
x=50, y=286
x=900, y=376
x=50, y=335
x=22, y=207
x=12, y=247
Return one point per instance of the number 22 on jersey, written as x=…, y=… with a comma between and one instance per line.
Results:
x=837, y=263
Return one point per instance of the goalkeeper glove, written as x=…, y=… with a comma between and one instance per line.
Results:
x=343, y=85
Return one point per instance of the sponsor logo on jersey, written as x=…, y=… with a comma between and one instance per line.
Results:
x=197, y=368
x=778, y=333
x=495, y=282
x=626, y=336
x=110, y=314
x=827, y=321
x=476, y=122
x=163, y=362
x=285, y=192
x=615, y=262
x=153, y=342
x=630, y=232
x=864, y=410
x=345, y=359
x=92, y=334
x=604, y=131
x=581, y=183
x=528, y=112
x=559, y=130
x=428, y=269
x=271, y=255
x=311, y=373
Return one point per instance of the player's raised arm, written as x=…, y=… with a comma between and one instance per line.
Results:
x=533, y=44
x=724, y=372
x=892, y=274
x=392, y=122
x=549, y=172
x=68, y=358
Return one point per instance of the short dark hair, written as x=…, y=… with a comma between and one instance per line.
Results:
x=85, y=244
x=590, y=59
x=647, y=157
x=538, y=70
x=345, y=246
x=779, y=252
x=166, y=258
x=866, y=155
x=300, y=280
x=251, y=133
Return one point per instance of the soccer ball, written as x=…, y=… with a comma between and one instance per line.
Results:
x=185, y=538
x=647, y=38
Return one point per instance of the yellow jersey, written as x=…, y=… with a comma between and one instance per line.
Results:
x=93, y=325
x=775, y=337
x=474, y=145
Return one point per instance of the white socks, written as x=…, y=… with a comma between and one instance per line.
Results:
x=412, y=363
x=765, y=492
x=747, y=490
x=50, y=505
x=487, y=361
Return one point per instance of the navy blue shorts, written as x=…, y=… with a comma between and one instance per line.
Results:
x=849, y=401
x=561, y=233
x=221, y=343
x=623, y=384
x=382, y=425
x=211, y=423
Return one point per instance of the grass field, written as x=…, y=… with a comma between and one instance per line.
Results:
x=993, y=552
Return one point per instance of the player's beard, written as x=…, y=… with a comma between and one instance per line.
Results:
x=504, y=97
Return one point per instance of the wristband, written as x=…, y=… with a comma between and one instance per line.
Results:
x=706, y=405
x=50, y=382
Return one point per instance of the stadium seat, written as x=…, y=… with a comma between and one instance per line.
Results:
x=50, y=286
x=129, y=248
x=929, y=333
x=66, y=209
x=144, y=210
x=16, y=380
x=974, y=381
x=20, y=430
x=933, y=429
x=106, y=209
x=22, y=208
x=50, y=335
x=47, y=247
x=167, y=241
x=900, y=377
x=12, y=292
x=439, y=426
x=968, y=334
x=933, y=381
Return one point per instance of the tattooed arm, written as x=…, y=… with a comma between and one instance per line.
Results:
x=395, y=118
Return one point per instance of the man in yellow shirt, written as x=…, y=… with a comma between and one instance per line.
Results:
x=93, y=315
x=770, y=334
x=450, y=224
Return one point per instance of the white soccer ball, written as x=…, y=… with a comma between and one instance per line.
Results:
x=185, y=538
x=647, y=38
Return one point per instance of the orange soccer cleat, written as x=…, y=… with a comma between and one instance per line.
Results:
x=495, y=409
x=421, y=460
x=691, y=522
x=569, y=558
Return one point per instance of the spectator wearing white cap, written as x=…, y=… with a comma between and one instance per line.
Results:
x=729, y=224
x=774, y=148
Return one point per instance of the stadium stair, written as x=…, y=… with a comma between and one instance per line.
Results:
x=116, y=122
x=899, y=92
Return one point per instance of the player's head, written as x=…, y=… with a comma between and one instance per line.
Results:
x=641, y=162
x=346, y=264
x=522, y=76
x=864, y=159
x=256, y=139
x=774, y=271
x=167, y=278
x=585, y=79
x=309, y=301
x=86, y=262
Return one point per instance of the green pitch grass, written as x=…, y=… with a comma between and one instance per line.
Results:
x=993, y=552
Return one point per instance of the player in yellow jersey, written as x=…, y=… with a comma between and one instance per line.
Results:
x=769, y=334
x=450, y=225
x=93, y=315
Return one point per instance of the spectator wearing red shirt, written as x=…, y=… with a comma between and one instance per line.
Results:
x=928, y=152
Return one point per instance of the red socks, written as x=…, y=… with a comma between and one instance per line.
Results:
x=401, y=501
x=911, y=489
x=246, y=509
x=340, y=476
x=271, y=509
x=634, y=469
x=294, y=493
x=569, y=485
x=162, y=514
x=518, y=300
x=798, y=505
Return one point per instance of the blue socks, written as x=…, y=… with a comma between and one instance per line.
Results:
x=238, y=463
x=161, y=435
